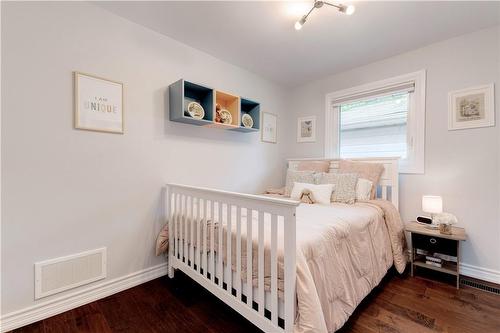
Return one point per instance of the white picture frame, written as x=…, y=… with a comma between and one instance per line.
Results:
x=306, y=129
x=98, y=104
x=269, y=127
x=471, y=108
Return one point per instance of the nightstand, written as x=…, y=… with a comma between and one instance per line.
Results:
x=432, y=241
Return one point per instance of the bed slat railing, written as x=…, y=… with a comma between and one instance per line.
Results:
x=248, y=250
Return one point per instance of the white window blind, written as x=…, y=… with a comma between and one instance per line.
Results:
x=375, y=127
x=408, y=87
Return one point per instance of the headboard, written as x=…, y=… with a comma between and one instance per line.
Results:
x=388, y=187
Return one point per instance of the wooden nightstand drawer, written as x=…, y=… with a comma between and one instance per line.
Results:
x=434, y=244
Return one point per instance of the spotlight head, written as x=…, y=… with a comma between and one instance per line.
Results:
x=300, y=23
x=348, y=10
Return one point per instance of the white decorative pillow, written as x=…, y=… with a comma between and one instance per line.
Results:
x=363, y=189
x=345, y=186
x=366, y=170
x=293, y=176
x=321, y=193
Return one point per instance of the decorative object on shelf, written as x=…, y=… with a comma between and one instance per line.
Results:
x=471, y=107
x=306, y=129
x=269, y=127
x=195, y=110
x=98, y=104
x=445, y=221
x=218, y=118
x=432, y=204
x=247, y=120
x=348, y=10
x=224, y=117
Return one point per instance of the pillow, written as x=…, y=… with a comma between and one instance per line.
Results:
x=345, y=186
x=162, y=240
x=321, y=193
x=369, y=171
x=278, y=191
x=363, y=189
x=316, y=166
x=293, y=176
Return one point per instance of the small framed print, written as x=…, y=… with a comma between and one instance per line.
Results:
x=471, y=108
x=306, y=129
x=269, y=127
x=98, y=104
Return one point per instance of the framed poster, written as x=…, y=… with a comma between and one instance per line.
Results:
x=269, y=127
x=306, y=129
x=471, y=108
x=98, y=104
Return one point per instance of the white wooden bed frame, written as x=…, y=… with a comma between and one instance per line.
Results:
x=184, y=205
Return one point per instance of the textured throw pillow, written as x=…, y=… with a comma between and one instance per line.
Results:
x=369, y=171
x=321, y=193
x=363, y=189
x=345, y=186
x=293, y=176
x=316, y=166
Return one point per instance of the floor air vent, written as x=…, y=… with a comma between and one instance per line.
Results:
x=56, y=275
x=491, y=288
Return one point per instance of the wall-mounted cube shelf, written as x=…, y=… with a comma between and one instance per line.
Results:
x=183, y=92
x=253, y=109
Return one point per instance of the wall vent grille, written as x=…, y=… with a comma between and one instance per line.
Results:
x=480, y=285
x=57, y=275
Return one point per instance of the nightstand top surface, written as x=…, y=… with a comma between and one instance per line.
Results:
x=457, y=233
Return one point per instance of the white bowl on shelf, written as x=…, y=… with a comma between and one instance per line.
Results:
x=226, y=117
x=195, y=110
x=247, y=120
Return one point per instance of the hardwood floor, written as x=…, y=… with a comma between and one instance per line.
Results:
x=398, y=305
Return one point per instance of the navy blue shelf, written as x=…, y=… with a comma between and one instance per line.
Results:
x=253, y=109
x=181, y=93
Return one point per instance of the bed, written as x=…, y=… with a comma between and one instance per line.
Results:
x=310, y=265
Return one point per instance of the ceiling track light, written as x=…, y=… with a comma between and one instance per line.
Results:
x=348, y=10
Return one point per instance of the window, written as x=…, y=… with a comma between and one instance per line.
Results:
x=381, y=119
x=374, y=127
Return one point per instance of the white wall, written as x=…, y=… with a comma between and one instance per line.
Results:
x=65, y=190
x=462, y=166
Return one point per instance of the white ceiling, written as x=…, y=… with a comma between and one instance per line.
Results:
x=260, y=37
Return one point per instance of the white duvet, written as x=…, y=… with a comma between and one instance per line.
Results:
x=343, y=252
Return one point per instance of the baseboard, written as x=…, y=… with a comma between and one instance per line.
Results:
x=70, y=301
x=480, y=273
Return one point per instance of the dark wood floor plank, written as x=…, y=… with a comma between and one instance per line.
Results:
x=400, y=304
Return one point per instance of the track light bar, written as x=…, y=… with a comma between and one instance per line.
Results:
x=348, y=10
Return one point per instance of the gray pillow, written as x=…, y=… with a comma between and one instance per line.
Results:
x=293, y=176
x=345, y=186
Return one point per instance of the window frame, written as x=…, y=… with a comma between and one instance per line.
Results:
x=415, y=161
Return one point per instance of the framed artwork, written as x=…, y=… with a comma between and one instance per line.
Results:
x=471, y=108
x=306, y=129
x=269, y=127
x=98, y=104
